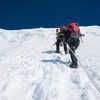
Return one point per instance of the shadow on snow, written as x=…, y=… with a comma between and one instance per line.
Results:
x=49, y=51
x=54, y=61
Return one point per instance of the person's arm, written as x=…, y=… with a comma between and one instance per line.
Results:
x=59, y=34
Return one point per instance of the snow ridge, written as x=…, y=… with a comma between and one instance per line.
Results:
x=30, y=70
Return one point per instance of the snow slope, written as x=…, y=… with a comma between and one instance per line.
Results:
x=29, y=70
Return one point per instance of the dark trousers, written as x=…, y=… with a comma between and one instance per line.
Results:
x=73, y=45
x=58, y=45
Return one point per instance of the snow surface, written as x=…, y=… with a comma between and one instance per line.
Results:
x=30, y=70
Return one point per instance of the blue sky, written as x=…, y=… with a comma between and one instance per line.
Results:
x=19, y=14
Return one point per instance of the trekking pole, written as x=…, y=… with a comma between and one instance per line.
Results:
x=71, y=50
x=58, y=25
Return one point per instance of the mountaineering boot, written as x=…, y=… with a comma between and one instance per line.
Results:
x=57, y=51
x=72, y=65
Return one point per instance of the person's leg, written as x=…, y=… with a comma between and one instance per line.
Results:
x=73, y=58
x=65, y=47
x=72, y=55
x=76, y=44
x=57, y=46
